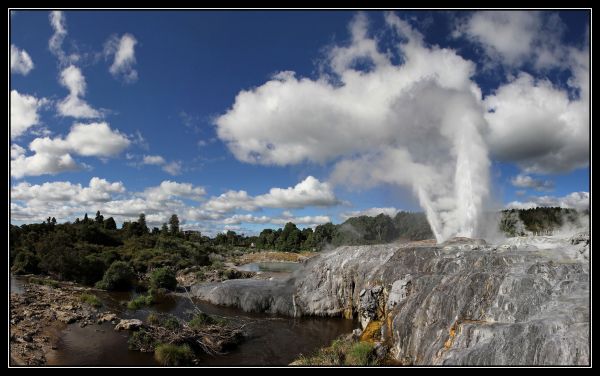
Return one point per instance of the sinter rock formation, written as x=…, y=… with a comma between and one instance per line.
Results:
x=464, y=302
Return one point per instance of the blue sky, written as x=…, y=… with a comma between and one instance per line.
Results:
x=162, y=88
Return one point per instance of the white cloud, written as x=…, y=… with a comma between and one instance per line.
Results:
x=59, y=25
x=377, y=115
x=20, y=61
x=231, y=200
x=309, y=192
x=238, y=219
x=576, y=200
x=52, y=155
x=73, y=105
x=99, y=190
x=96, y=139
x=514, y=38
x=23, y=112
x=173, y=168
x=153, y=160
x=526, y=181
x=16, y=151
x=123, y=50
x=371, y=212
x=538, y=126
x=169, y=189
x=41, y=164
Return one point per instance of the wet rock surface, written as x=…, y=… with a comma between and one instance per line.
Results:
x=460, y=303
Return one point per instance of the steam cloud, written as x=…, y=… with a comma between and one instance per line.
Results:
x=420, y=123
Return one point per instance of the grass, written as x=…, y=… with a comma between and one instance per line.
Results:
x=43, y=281
x=360, y=354
x=173, y=355
x=141, y=340
x=274, y=256
x=202, y=319
x=90, y=299
x=342, y=352
x=140, y=301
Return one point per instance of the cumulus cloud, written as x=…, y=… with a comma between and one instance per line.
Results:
x=231, y=200
x=172, y=168
x=20, y=61
x=61, y=199
x=311, y=221
x=526, y=181
x=575, y=200
x=371, y=212
x=96, y=139
x=538, y=126
x=23, y=112
x=514, y=38
x=423, y=115
x=73, y=105
x=53, y=155
x=123, y=50
x=309, y=192
x=153, y=160
x=65, y=200
x=169, y=189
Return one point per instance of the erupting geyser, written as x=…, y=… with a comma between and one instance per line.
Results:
x=416, y=124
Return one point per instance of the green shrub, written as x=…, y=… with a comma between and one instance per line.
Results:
x=163, y=278
x=153, y=318
x=141, y=340
x=360, y=354
x=43, y=281
x=171, y=323
x=140, y=301
x=119, y=276
x=90, y=299
x=25, y=262
x=200, y=320
x=173, y=355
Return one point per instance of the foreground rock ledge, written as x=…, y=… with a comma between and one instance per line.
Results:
x=460, y=303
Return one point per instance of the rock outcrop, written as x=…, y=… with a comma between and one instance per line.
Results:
x=459, y=303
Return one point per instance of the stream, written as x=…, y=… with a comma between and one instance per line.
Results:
x=268, y=339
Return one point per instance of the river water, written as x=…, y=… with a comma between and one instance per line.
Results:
x=269, y=340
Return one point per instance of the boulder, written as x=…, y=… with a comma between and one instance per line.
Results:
x=132, y=324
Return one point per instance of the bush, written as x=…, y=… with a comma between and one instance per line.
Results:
x=163, y=278
x=119, y=276
x=200, y=320
x=171, y=323
x=360, y=354
x=141, y=340
x=90, y=299
x=173, y=355
x=140, y=301
x=25, y=262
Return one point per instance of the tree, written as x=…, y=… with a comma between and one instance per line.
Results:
x=174, y=224
x=163, y=278
x=164, y=229
x=110, y=224
x=119, y=276
x=99, y=218
x=53, y=221
x=85, y=219
x=142, y=223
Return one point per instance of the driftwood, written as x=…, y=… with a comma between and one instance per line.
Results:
x=212, y=338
